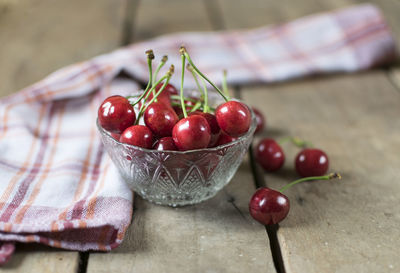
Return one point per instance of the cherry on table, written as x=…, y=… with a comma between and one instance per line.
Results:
x=138, y=135
x=269, y=154
x=311, y=162
x=259, y=119
x=233, y=118
x=191, y=133
x=160, y=118
x=212, y=121
x=165, y=144
x=268, y=206
x=116, y=114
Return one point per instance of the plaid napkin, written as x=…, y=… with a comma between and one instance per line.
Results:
x=59, y=188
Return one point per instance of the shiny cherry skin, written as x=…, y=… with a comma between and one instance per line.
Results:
x=269, y=155
x=259, y=119
x=138, y=135
x=212, y=121
x=311, y=162
x=165, y=144
x=233, y=118
x=224, y=139
x=116, y=114
x=160, y=118
x=268, y=206
x=191, y=133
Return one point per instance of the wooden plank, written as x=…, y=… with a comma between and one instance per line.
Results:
x=256, y=13
x=349, y=225
x=157, y=17
x=39, y=36
x=37, y=258
x=215, y=236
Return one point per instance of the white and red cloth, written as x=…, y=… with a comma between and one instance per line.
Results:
x=59, y=188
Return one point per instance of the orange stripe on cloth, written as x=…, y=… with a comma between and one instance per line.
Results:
x=93, y=200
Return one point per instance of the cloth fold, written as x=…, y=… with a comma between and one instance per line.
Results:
x=58, y=186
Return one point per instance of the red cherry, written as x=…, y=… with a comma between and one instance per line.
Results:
x=268, y=206
x=212, y=121
x=165, y=144
x=191, y=133
x=269, y=154
x=259, y=119
x=115, y=136
x=160, y=118
x=311, y=162
x=138, y=135
x=169, y=89
x=116, y=114
x=233, y=118
x=224, y=138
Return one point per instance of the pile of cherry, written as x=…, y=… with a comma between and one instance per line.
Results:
x=174, y=122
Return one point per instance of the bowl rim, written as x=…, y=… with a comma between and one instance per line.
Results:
x=248, y=134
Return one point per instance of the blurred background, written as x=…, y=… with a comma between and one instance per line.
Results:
x=38, y=37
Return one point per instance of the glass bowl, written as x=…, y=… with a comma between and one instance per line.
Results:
x=176, y=178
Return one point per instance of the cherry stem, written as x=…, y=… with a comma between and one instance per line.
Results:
x=150, y=57
x=144, y=106
x=190, y=68
x=206, y=108
x=182, y=79
x=196, y=106
x=179, y=104
x=225, y=84
x=296, y=141
x=176, y=97
x=162, y=63
x=184, y=52
x=311, y=178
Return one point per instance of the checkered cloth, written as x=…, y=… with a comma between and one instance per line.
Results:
x=58, y=186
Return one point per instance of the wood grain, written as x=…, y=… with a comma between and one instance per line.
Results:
x=38, y=258
x=158, y=17
x=39, y=36
x=215, y=236
x=349, y=225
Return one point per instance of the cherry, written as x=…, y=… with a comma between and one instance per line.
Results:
x=269, y=154
x=268, y=206
x=160, y=118
x=116, y=114
x=191, y=133
x=165, y=96
x=115, y=136
x=311, y=162
x=212, y=121
x=259, y=119
x=138, y=135
x=233, y=118
x=224, y=138
x=165, y=144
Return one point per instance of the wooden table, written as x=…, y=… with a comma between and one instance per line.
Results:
x=350, y=225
